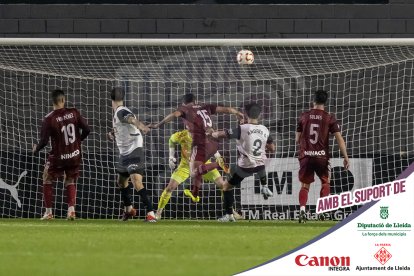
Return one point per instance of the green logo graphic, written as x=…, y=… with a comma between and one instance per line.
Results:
x=384, y=212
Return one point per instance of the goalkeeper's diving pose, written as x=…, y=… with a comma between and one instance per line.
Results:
x=182, y=171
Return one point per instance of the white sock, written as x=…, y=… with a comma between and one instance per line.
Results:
x=302, y=208
x=151, y=213
x=217, y=155
x=71, y=209
x=48, y=210
x=128, y=208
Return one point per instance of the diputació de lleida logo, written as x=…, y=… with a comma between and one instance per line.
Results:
x=384, y=212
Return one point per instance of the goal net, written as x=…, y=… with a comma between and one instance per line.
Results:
x=369, y=84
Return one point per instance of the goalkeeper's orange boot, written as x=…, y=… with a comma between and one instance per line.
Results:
x=129, y=215
x=223, y=165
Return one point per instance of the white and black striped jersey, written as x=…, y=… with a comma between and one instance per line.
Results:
x=128, y=137
x=251, y=144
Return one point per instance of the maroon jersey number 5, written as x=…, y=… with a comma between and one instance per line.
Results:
x=314, y=133
x=315, y=126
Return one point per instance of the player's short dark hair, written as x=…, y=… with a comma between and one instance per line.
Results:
x=253, y=110
x=188, y=98
x=56, y=95
x=321, y=97
x=117, y=94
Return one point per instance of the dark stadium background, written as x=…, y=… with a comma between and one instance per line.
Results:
x=393, y=18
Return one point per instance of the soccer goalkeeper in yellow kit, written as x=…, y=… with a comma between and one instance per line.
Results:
x=182, y=172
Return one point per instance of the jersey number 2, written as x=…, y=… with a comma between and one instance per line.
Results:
x=257, y=145
x=69, y=133
x=314, y=131
x=207, y=121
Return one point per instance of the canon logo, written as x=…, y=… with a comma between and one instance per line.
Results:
x=303, y=260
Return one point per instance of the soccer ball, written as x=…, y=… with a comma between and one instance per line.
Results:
x=245, y=57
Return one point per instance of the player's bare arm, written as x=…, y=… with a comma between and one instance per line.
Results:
x=167, y=119
x=342, y=148
x=297, y=137
x=34, y=147
x=133, y=121
x=230, y=110
x=220, y=134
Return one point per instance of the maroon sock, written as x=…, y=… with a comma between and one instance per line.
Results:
x=196, y=185
x=71, y=195
x=325, y=190
x=303, y=196
x=205, y=168
x=48, y=195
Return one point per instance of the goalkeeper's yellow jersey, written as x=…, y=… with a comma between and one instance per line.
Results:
x=184, y=139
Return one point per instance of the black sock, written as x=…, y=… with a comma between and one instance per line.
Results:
x=126, y=196
x=144, y=198
x=263, y=180
x=228, y=202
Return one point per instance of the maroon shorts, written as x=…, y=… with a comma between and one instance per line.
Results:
x=203, y=151
x=311, y=165
x=56, y=170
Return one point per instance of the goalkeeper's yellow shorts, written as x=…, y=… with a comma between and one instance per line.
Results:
x=183, y=172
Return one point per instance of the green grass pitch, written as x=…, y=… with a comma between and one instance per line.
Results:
x=109, y=247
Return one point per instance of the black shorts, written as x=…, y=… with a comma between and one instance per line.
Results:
x=237, y=174
x=132, y=163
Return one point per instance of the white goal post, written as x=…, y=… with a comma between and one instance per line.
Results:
x=370, y=83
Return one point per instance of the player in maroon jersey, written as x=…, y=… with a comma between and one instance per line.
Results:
x=312, y=136
x=66, y=129
x=197, y=119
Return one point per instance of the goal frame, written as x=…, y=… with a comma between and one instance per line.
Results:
x=214, y=44
x=326, y=42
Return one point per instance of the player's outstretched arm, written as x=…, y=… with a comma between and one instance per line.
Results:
x=133, y=121
x=167, y=119
x=227, y=133
x=342, y=148
x=219, y=134
x=230, y=110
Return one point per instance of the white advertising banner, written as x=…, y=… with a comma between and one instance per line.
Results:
x=283, y=178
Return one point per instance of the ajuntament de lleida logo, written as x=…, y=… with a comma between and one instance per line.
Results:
x=384, y=212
